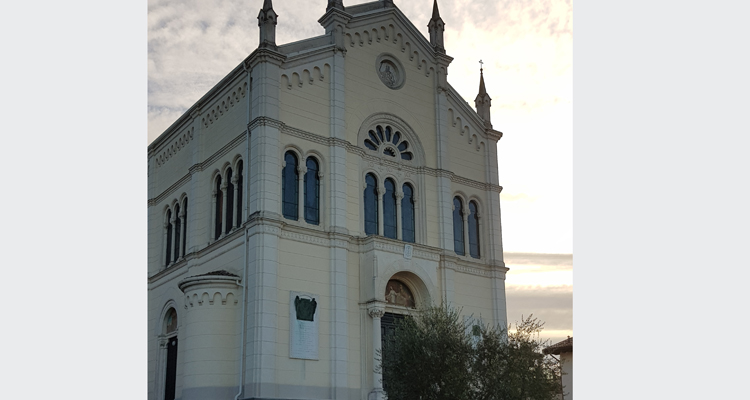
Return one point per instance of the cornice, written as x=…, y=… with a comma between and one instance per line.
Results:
x=195, y=109
x=260, y=55
x=170, y=190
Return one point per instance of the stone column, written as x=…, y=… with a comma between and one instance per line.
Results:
x=301, y=171
x=465, y=219
x=399, y=221
x=183, y=232
x=222, y=217
x=381, y=191
x=164, y=246
x=212, y=228
x=161, y=365
x=235, y=180
x=376, y=311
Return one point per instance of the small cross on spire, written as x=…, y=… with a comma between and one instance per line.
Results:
x=481, y=64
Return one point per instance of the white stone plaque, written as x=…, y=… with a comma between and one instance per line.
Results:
x=408, y=249
x=303, y=333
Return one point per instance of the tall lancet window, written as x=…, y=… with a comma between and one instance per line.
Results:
x=473, y=230
x=390, y=226
x=177, y=226
x=458, y=226
x=371, y=205
x=312, y=192
x=219, y=206
x=239, y=193
x=289, y=189
x=184, y=227
x=169, y=237
x=230, y=201
x=407, y=214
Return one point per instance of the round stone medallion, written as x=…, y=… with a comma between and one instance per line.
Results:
x=390, y=71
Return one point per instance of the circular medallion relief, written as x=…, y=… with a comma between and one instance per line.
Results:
x=390, y=71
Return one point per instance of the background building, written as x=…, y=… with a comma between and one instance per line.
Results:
x=319, y=191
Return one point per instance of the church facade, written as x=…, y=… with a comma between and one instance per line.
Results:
x=319, y=192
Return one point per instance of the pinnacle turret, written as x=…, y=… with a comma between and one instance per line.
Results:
x=436, y=28
x=483, y=101
x=337, y=4
x=267, y=19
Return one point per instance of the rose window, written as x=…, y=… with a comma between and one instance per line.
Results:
x=388, y=141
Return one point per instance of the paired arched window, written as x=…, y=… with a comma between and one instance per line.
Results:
x=175, y=232
x=228, y=201
x=398, y=216
x=466, y=229
x=308, y=187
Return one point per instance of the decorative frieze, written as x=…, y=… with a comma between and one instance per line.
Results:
x=177, y=144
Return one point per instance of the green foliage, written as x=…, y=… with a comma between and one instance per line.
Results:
x=434, y=356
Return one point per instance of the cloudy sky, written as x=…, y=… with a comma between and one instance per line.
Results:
x=526, y=47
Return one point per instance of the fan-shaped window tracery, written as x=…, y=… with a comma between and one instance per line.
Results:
x=388, y=141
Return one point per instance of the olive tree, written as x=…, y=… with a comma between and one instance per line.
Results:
x=434, y=355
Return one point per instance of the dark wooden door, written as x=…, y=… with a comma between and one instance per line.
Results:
x=171, y=369
x=388, y=332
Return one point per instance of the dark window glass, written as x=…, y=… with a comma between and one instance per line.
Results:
x=230, y=201
x=184, y=227
x=473, y=230
x=374, y=138
x=396, y=137
x=387, y=133
x=239, y=193
x=289, y=188
x=389, y=210
x=169, y=237
x=312, y=192
x=380, y=133
x=403, y=145
x=406, y=156
x=371, y=205
x=219, y=206
x=177, y=225
x=370, y=145
x=458, y=227
x=407, y=214
x=389, y=152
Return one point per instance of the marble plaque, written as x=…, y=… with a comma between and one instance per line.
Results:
x=303, y=325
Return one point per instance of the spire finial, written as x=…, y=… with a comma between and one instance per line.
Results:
x=483, y=100
x=435, y=11
x=482, y=90
x=267, y=5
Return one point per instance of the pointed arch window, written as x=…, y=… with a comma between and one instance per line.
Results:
x=289, y=188
x=219, y=205
x=371, y=205
x=407, y=214
x=239, y=193
x=169, y=237
x=390, y=225
x=230, y=202
x=458, y=226
x=312, y=192
x=473, y=229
